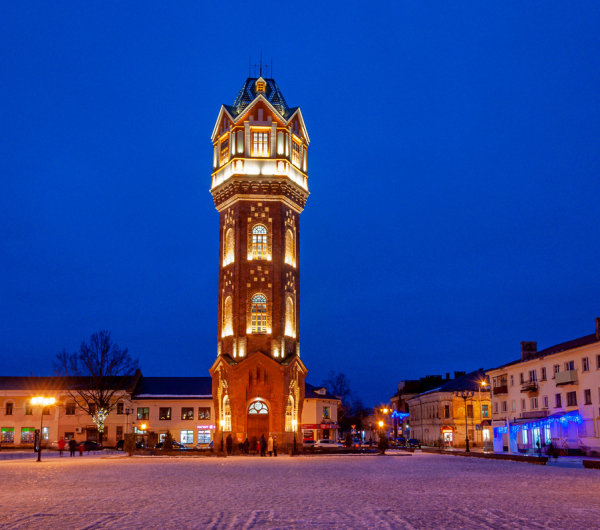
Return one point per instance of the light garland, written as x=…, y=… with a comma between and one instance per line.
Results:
x=99, y=418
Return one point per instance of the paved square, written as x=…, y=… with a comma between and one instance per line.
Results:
x=337, y=492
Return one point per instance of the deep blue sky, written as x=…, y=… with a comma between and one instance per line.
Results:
x=454, y=170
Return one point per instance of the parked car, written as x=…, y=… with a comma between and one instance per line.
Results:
x=89, y=445
x=308, y=442
x=356, y=443
x=121, y=444
x=176, y=445
x=327, y=443
x=412, y=442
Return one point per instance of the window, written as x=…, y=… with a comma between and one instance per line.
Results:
x=187, y=437
x=585, y=364
x=164, y=413
x=496, y=407
x=119, y=433
x=532, y=375
x=486, y=435
x=558, y=401
x=470, y=410
x=143, y=413
x=204, y=413
x=289, y=414
x=290, y=319
x=45, y=434
x=512, y=380
x=27, y=435
x=556, y=370
x=484, y=411
x=534, y=403
x=571, y=399
x=522, y=378
x=524, y=437
x=504, y=406
x=28, y=409
x=547, y=435
x=8, y=409
x=544, y=402
x=7, y=435
x=587, y=395
x=224, y=151
x=296, y=154
x=46, y=411
x=229, y=249
x=543, y=373
x=326, y=413
x=227, y=318
x=260, y=86
x=187, y=413
x=513, y=406
x=120, y=407
x=69, y=436
x=70, y=408
x=259, y=314
x=259, y=242
x=446, y=411
x=260, y=144
x=290, y=254
x=523, y=405
x=570, y=365
x=92, y=408
x=597, y=362
x=226, y=419
x=204, y=436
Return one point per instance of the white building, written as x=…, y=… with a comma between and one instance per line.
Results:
x=549, y=396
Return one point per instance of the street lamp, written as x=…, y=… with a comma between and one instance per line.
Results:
x=43, y=402
x=465, y=394
x=483, y=383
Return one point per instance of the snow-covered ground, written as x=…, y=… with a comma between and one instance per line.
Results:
x=345, y=492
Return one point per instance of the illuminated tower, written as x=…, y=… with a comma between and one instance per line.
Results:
x=259, y=187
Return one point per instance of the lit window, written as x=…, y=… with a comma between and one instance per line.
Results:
x=484, y=411
x=143, y=413
x=260, y=144
x=187, y=437
x=258, y=407
x=27, y=435
x=290, y=254
x=296, y=154
x=260, y=86
x=7, y=435
x=524, y=436
x=259, y=314
x=259, y=242
x=204, y=437
x=326, y=413
x=227, y=317
x=204, y=413
x=226, y=414
x=289, y=415
x=45, y=433
x=290, y=319
x=187, y=413
x=224, y=151
x=164, y=413
x=229, y=248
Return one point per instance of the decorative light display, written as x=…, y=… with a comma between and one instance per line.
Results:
x=565, y=419
x=400, y=415
x=99, y=418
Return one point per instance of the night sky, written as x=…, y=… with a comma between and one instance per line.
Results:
x=453, y=169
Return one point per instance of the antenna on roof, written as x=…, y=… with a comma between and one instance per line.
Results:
x=261, y=62
x=256, y=70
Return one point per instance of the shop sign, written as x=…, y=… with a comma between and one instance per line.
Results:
x=206, y=427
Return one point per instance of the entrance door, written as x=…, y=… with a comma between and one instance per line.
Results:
x=258, y=421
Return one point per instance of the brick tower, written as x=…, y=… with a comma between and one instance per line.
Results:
x=260, y=187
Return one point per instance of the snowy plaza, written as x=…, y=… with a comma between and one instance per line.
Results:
x=331, y=492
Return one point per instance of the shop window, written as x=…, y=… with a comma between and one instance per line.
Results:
x=204, y=413
x=45, y=434
x=164, y=413
x=187, y=437
x=204, y=436
x=143, y=413
x=27, y=435
x=7, y=435
x=187, y=413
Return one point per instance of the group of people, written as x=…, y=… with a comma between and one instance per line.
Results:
x=260, y=445
x=72, y=446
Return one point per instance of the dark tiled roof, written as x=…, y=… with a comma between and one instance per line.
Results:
x=248, y=93
x=558, y=348
x=174, y=387
x=32, y=383
x=310, y=392
x=466, y=382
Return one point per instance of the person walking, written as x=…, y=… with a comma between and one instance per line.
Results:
x=229, y=443
x=61, y=445
x=72, y=446
x=246, y=446
x=270, y=446
x=263, y=445
x=274, y=445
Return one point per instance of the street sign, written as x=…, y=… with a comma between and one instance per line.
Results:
x=353, y=427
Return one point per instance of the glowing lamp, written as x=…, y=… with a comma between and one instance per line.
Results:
x=381, y=424
x=385, y=411
x=143, y=426
x=43, y=401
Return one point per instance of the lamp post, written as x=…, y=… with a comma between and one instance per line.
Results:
x=483, y=383
x=43, y=402
x=465, y=394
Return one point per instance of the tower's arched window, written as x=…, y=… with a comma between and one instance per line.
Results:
x=259, y=242
x=290, y=248
x=289, y=415
x=226, y=415
x=290, y=320
x=227, y=317
x=259, y=314
x=258, y=407
x=229, y=250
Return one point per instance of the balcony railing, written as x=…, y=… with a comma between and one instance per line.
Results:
x=502, y=389
x=568, y=377
x=529, y=386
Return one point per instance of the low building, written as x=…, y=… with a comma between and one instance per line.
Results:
x=549, y=396
x=445, y=415
x=149, y=406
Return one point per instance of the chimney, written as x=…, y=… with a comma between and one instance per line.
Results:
x=447, y=376
x=528, y=349
x=598, y=328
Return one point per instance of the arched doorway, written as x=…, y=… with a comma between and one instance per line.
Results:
x=258, y=421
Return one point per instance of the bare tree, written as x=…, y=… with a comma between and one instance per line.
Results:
x=95, y=374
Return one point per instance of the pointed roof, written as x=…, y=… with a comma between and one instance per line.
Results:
x=248, y=94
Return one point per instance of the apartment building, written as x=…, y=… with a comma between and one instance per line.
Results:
x=552, y=395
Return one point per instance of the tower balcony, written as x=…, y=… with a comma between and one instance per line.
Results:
x=255, y=167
